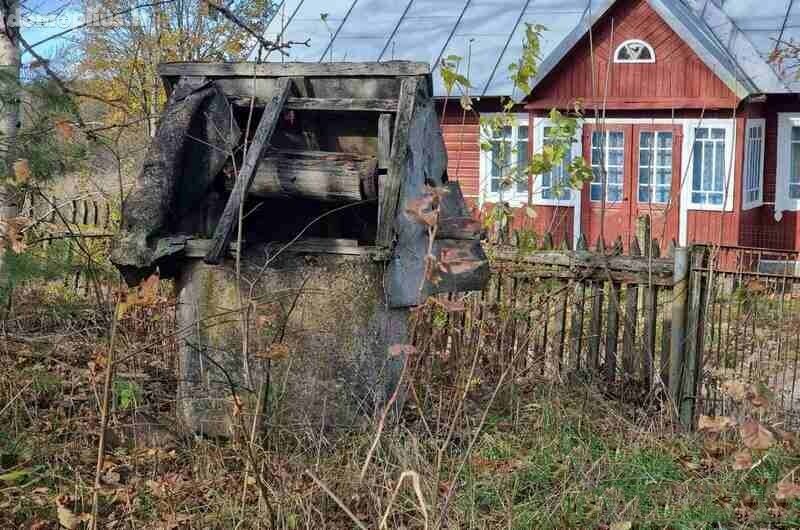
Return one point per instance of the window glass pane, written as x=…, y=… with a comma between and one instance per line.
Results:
x=664, y=157
x=608, y=154
x=663, y=176
x=644, y=176
x=701, y=133
x=662, y=195
x=646, y=140
x=522, y=132
x=794, y=174
x=708, y=165
x=719, y=166
x=645, y=157
x=697, y=165
x=665, y=140
x=718, y=134
x=796, y=134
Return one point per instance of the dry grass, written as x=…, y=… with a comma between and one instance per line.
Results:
x=524, y=454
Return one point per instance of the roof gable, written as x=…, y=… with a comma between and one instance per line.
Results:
x=692, y=29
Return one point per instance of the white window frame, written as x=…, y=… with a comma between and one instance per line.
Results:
x=688, y=159
x=786, y=120
x=634, y=61
x=538, y=144
x=753, y=165
x=512, y=195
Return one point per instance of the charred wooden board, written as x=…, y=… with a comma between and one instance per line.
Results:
x=194, y=138
x=319, y=175
x=275, y=69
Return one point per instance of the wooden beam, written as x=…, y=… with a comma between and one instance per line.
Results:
x=275, y=69
x=319, y=175
x=633, y=103
x=327, y=104
x=389, y=192
x=343, y=104
x=384, y=141
x=260, y=141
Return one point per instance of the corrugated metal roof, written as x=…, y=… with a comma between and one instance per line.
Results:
x=488, y=34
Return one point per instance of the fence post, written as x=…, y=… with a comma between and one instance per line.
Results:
x=694, y=337
x=680, y=292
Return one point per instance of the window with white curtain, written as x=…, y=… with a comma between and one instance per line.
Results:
x=554, y=184
x=503, y=167
x=709, y=166
x=754, y=164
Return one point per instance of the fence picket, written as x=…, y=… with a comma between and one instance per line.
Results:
x=595, y=329
x=629, y=325
x=576, y=328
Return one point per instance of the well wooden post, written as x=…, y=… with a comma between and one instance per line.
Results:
x=680, y=292
x=694, y=337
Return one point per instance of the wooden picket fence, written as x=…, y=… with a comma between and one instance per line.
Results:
x=83, y=210
x=628, y=316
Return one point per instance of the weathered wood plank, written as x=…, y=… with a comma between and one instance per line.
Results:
x=389, y=192
x=579, y=260
x=324, y=176
x=560, y=323
x=576, y=327
x=612, y=330
x=384, y=141
x=343, y=104
x=276, y=69
x=258, y=144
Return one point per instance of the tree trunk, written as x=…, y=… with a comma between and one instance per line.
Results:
x=9, y=116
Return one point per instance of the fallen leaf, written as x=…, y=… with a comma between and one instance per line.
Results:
x=275, y=352
x=787, y=491
x=742, y=460
x=736, y=390
x=64, y=130
x=457, y=261
x=143, y=295
x=715, y=424
x=397, y=350
x=424, y=210
x=756, y=436
x=12, y=233
x=22, y=171
x=66, y=516
x=625, y=525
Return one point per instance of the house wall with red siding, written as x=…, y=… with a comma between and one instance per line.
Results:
x=461, y=131
x=678, y=79
x=758, y=226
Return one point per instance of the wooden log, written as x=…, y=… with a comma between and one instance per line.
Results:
x=389, y=192
x=277, y=69
x=629, y=326
x=244, y=179
x=323, y=176
x=694, y=338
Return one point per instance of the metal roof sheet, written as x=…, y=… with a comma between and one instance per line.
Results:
x=488, y=34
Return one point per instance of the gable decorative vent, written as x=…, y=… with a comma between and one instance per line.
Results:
x=634, y=51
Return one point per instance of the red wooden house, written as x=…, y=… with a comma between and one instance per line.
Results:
x=683, y=122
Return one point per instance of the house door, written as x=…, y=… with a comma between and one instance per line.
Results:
x=636, y=172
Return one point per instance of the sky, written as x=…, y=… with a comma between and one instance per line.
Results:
x=479, y=31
